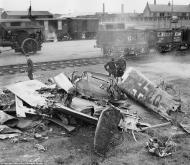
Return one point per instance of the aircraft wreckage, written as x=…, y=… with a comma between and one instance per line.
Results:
x=96, y=99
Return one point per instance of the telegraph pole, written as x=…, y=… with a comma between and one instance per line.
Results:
x=172, y=9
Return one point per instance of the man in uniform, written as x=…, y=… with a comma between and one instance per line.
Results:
x=120, y=66
x=30, y=67
x=110, y=67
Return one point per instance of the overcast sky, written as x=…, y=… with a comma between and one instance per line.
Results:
x=70, y=6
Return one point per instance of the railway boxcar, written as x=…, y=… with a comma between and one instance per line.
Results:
x=82, y=28
x=113, y=37
x=185, y=38
x=21, y=35
x=168, y=39
x=116, y=37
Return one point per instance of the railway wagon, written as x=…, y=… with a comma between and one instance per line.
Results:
x=170, y=39
x=21, y=35
x=82, y=28
x=116, y=37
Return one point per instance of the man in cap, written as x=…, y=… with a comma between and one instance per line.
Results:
x=110, y=67
x=120, y=66
x=30, y=67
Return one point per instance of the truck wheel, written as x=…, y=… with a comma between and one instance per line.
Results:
x=29, y=45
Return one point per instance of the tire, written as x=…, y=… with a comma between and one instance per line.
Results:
x=29, y=45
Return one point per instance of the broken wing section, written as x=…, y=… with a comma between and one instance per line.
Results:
x=136, y=85
x=21, y=110
x=26, y=91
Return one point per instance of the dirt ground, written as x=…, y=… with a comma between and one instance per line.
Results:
x=64, y=50
x=77, y=148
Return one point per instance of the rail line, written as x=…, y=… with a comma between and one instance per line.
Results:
x=51, y=65
x=54, y=65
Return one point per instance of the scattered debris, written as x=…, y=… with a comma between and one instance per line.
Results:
x=25, y=123
x=37, y=136
x=93, y=98
x=76, y=114
x=21, y=110
x=156, y=126
x=14, y=140
x=60, y=123
x=7, y=130
x=40, y=147
x=8, y=136
x=161, y=149
x=4, y=117
x=6, y=100
x=185, y=124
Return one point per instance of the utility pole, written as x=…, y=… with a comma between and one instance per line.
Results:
x=172, y=9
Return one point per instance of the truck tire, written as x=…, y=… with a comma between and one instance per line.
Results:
x=29, y=45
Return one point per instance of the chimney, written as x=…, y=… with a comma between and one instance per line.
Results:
x=103, y=8
x=122, y=8
x=154, y=2
x=169, y=4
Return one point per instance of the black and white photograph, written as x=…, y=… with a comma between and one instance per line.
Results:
x=94, y=82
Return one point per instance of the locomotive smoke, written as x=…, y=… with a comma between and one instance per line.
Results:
x=170, y=65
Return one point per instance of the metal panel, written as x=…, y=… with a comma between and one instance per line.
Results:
x=63, y=82
x=21, y=110
x=26, y=90
x=136, y=85
x=77, y=114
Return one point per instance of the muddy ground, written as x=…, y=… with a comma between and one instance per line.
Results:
x=76, y=148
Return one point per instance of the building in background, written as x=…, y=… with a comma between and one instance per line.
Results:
x=24, y=14
x=85, y=25
x=166, y=10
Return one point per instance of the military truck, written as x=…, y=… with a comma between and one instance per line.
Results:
x=22, y=35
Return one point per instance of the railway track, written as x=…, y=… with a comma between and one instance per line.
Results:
x=54, y=65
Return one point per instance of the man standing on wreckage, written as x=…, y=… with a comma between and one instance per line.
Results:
x=110, y=67
x=116, y=68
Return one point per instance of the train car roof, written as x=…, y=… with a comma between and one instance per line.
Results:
x=22, y=27
x=49, y=19
x=14, y=20
x=130, y=25
x=84, y=18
